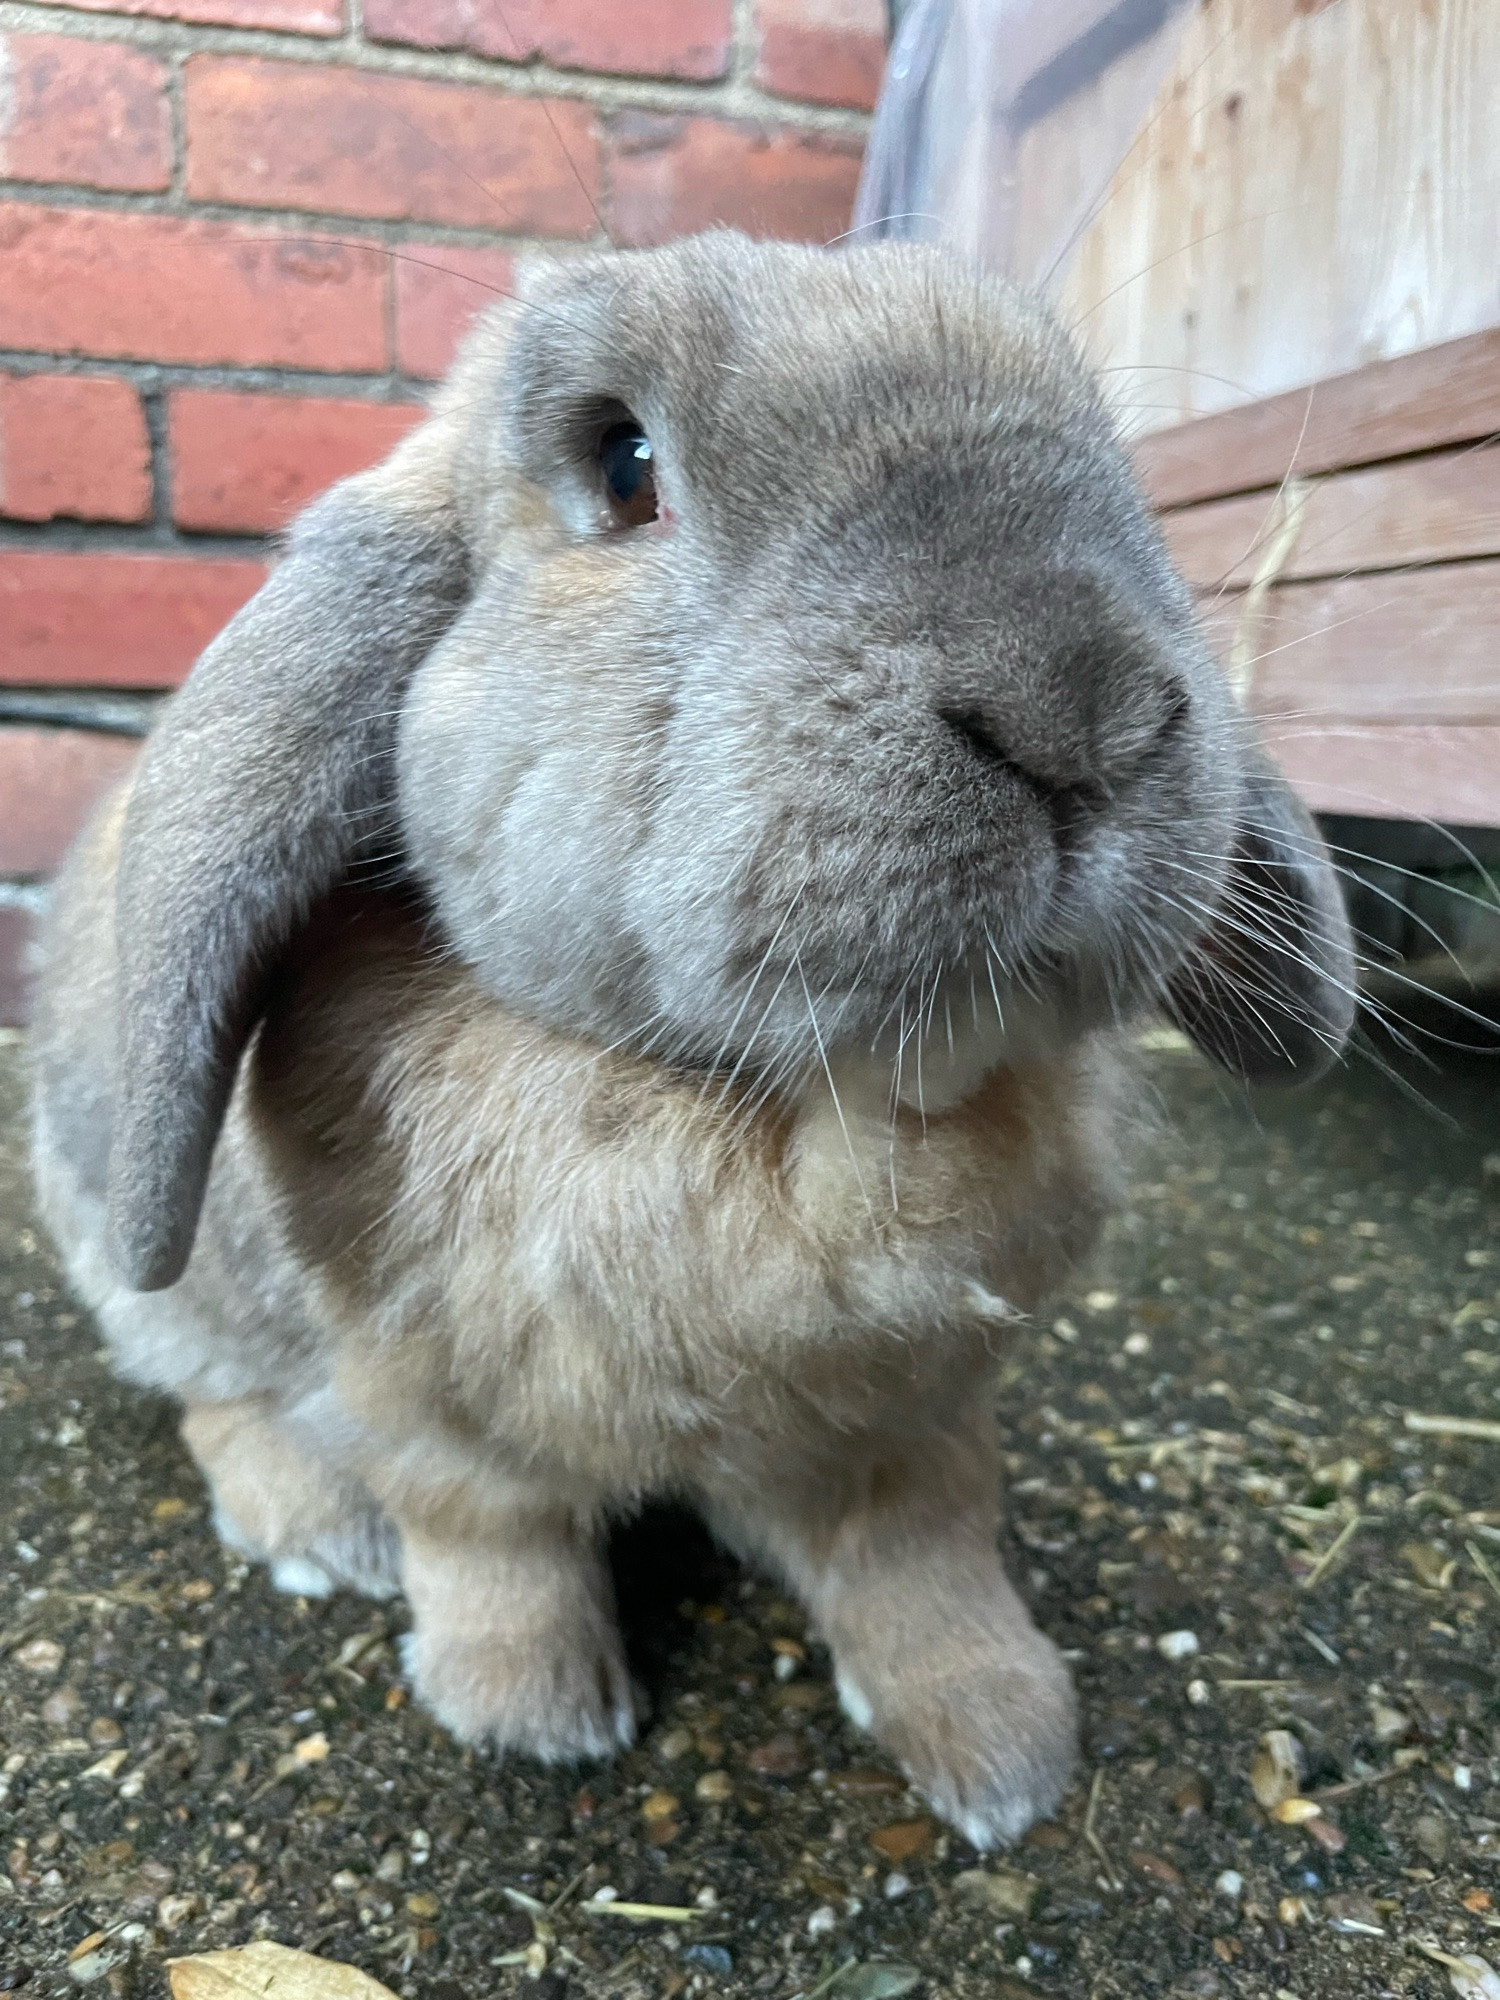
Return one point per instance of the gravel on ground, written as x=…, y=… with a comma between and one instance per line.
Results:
x=1253, y=1456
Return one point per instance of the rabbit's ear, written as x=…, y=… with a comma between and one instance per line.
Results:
x=1268, y=990
x=269, y=774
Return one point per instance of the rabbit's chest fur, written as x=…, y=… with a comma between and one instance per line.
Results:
x=577, y=1259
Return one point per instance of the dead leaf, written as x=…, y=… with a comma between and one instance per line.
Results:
x=273, y=1970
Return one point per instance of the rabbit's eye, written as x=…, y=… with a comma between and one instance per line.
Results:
x=629, y=476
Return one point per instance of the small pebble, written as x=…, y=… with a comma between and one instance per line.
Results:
x=896, y=1884
x=861, y=1782
x=714, y=1787
x=778, y=1757
x=1188, y=1792
x=40, y=1656
x=1353, y=1916
x=822, y=1920
x=1230, y=1883
x=1277, y=1769
x=1157, y=1867
x=905, y=1839
x=712, y=1957
x=1177, y=1645
x=1327, y=1833
x=1002, y=1892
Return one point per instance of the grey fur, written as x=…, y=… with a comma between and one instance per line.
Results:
x=736, y=1053
x=268, y=777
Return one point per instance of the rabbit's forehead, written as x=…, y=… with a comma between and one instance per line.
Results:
x=729, y=326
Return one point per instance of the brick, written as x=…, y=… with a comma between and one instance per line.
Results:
x=245, y=464
x=113, y=620
x=49, y=779
x=673, y=38
x=159, y=288
x=294, y=17
x=670, y=176
x=16, y=924
x=93, y=114
x=439, y=289
x=301, y=136
x=822, y=51
x=72, y=445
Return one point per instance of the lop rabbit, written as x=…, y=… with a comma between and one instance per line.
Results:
x=609, y=980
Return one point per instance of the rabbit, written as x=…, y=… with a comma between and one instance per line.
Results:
x=617, y=975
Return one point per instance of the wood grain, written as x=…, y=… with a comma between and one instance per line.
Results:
x=1314, y=188
x=1445, y=395
x=1413, y=646
x=1439, y=508
x=1451, y=775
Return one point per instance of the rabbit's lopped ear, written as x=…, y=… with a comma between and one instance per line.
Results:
x=269, y=774
x=1268, y=990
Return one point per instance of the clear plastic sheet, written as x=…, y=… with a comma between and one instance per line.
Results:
x=1001, y=123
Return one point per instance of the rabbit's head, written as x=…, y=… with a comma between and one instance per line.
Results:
x=764, y=658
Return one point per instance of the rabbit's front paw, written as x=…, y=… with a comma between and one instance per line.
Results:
x=560, y=1695
x=991, y=1742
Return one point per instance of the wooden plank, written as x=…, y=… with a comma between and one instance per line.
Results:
x=1312, y=190
x=1442, y=396
x=1441, y=508
x=1451, y=775
x=1411, y=646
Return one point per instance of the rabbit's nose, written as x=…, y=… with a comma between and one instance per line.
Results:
x=982, y=733
x=1072, y=794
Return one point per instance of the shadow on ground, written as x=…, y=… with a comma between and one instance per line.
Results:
x=1207, y=1437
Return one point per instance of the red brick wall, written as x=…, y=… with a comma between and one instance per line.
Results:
x=238, y=237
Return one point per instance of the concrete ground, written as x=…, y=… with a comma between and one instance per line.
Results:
x=1207, y=1437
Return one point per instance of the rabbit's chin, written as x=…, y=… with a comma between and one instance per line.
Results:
x=964, y=1038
